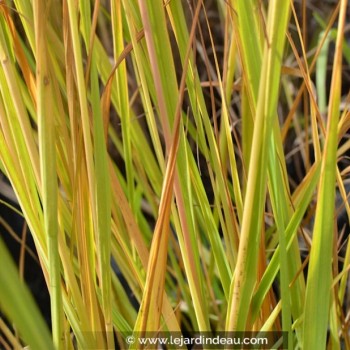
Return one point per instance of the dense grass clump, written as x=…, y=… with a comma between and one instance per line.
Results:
x=180, y=165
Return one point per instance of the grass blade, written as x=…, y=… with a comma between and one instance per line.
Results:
x=20, y=307
x=242, y=286
x=47, y=150
x=318, y=289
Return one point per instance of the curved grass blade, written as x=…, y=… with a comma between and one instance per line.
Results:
x=20, y=307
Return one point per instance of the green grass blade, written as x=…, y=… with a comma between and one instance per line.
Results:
x=301, y=202
x=244, y=281
x=19, y=306
x=102, y=205
x=47, y=150
x=123, y=98
x=318, y=290
x=321, y=74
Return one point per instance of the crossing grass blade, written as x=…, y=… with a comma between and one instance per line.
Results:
x=320, y=267
x=102, y=207
x=243, y=282
x=149, y=316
